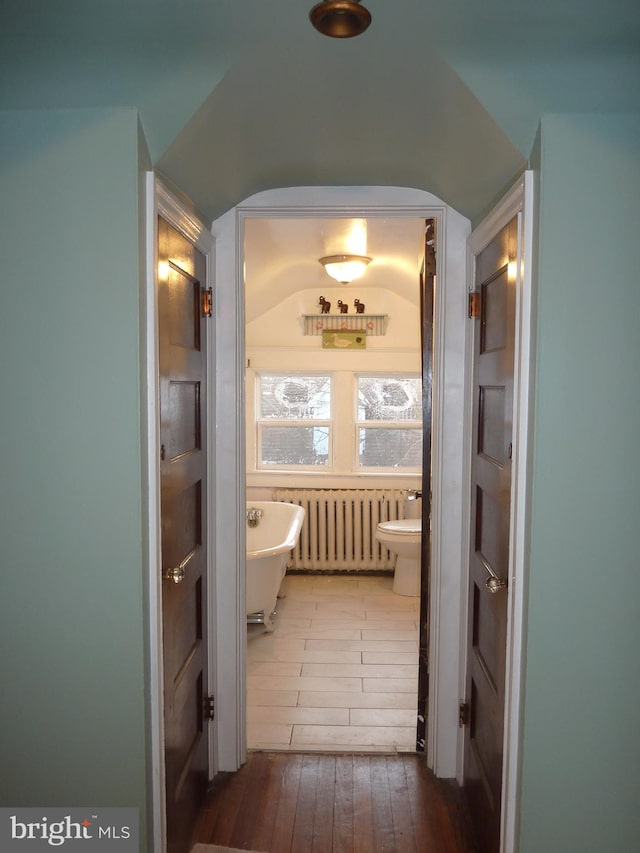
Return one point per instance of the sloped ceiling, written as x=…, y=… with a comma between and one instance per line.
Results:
x=241, y=95
x=332, y=113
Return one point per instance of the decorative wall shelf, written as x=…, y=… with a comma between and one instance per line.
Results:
x=372, y=324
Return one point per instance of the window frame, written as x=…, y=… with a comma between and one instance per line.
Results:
x=358, y=424
x=261, y=422
x=344, y=427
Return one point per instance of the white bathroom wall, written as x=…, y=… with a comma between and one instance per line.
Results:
x=276, y=341
x=282, y=325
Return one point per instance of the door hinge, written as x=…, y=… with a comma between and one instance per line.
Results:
x=464, y=714
x=209, y=707
x=207, y=302
x=473, y=310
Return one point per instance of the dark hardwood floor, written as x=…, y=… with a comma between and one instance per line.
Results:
x=281, y=802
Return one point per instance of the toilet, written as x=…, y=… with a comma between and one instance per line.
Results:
x=403, y=537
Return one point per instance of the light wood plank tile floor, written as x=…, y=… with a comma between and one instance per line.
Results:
x=340, y=671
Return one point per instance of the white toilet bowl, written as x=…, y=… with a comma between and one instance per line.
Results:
x=403, y=538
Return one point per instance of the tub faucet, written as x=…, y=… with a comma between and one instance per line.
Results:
x=253, y=516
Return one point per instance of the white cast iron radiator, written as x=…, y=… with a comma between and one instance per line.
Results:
x=340, y=525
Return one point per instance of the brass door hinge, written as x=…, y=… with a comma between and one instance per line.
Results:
x=464, y=714
x=474, y=305
x=209, y=710
x=207, y=302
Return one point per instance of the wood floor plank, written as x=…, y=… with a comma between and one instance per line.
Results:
x=230, y=794
x=343, y=813
x=302, y=838
x=254, y=822
x=335, y=803
x=362, y=805
x=437, y=807
x=421, y=811
x=381, y=799
x=323, y=815
x=403, y=829
x=286, y=804
x=459, y=817
x=273, y=787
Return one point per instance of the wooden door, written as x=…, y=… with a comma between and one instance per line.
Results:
x=183, y=432
x=427, y=292
x=493, y=368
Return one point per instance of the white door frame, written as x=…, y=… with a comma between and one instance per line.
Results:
x=448, y=409
x=159, y=201
x=519, y=201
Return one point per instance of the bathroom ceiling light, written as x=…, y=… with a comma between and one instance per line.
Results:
x=340, y=19
x=344, y=268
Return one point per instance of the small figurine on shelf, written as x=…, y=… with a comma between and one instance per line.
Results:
x=359, y=306
x=344, y=308
x=326, y=306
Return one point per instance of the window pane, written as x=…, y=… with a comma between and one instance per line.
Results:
x=295, y=397
x=390, y=448
x=389, y=399
x=285, y=445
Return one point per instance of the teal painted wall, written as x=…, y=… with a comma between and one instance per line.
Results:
x=71, y=529
x=72, y=620
x=579, y=775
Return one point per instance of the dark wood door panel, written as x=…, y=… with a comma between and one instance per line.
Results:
x=183, y=425
x=185, y=417
x=492, y=527
x=186, y=635
x=184, y=303
x=488, y=635
x=491, y=424
x=183, y=527
x=490, y=509
x=493, y=332
x=427, y=295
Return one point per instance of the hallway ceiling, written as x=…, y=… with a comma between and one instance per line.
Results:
x=237, y=97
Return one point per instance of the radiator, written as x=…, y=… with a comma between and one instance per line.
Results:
x=338, y=533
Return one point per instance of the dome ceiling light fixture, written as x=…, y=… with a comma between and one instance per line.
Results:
x=340, y=19
x=344, y=268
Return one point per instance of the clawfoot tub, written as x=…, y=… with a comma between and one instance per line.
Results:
x=273, y=529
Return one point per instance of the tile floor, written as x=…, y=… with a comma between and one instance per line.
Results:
x=339, y=672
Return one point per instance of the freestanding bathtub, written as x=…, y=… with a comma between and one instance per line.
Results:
x=273, y=529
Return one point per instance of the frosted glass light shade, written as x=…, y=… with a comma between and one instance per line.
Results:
x=344, y=268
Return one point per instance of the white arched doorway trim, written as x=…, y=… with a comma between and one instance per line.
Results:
x=447, y=474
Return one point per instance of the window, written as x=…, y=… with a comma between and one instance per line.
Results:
x=389, y=422
x=294, y=421
x=339, y=423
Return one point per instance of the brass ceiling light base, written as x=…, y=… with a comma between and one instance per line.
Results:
x=340, y=19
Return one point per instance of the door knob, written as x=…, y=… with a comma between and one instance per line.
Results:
x=496, y=584
x=175, y=574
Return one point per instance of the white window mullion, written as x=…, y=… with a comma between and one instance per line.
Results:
x=343, y=419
